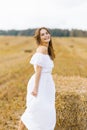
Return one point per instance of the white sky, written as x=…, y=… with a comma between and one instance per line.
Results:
x=24, y=14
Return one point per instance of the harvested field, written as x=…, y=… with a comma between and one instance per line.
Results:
x=69, y=73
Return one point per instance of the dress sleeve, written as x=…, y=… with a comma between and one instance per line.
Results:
x=38, y=59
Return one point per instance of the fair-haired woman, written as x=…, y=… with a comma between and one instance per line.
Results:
x=40, y=113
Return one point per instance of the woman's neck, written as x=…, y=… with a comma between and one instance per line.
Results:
x=45, y=44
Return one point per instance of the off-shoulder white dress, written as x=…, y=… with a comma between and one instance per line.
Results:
x=40, y=113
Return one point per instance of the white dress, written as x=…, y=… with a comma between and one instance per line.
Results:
x=40, y=113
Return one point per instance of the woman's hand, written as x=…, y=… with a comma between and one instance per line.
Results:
x=34, y=92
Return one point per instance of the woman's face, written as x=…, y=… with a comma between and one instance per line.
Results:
x=44, y=36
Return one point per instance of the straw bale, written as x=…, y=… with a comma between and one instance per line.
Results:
x=82, y=112
x=71, y=103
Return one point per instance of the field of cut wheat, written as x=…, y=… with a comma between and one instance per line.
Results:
x=69, y=73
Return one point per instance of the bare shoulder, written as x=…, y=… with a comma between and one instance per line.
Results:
x=42, y=49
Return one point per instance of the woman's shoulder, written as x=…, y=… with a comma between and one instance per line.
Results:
x=41, y=49
x=39, y=57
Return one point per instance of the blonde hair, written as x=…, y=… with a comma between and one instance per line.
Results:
x=38, y=40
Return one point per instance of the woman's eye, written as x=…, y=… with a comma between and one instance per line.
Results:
x=46, y=32
x=42, y=34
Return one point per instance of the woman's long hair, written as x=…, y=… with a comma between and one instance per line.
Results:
x=38, y=40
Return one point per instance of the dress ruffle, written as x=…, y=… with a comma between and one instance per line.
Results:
x=41, y=60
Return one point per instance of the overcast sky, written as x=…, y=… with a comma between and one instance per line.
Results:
x=24, y=14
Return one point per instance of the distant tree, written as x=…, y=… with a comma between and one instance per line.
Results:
x=55, y=32
x=12, y=32
x=2, y=32
x=78, y=33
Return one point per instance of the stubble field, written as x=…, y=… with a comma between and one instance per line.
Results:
x=69, y=73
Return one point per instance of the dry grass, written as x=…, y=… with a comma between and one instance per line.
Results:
x=70, y=73
x=71, y=102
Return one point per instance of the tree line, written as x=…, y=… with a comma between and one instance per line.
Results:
x=54, y=32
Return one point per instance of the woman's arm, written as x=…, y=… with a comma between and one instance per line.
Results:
x=37, y=78
x=41, y=49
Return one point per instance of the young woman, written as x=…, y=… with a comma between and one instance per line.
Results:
x=40, y=113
